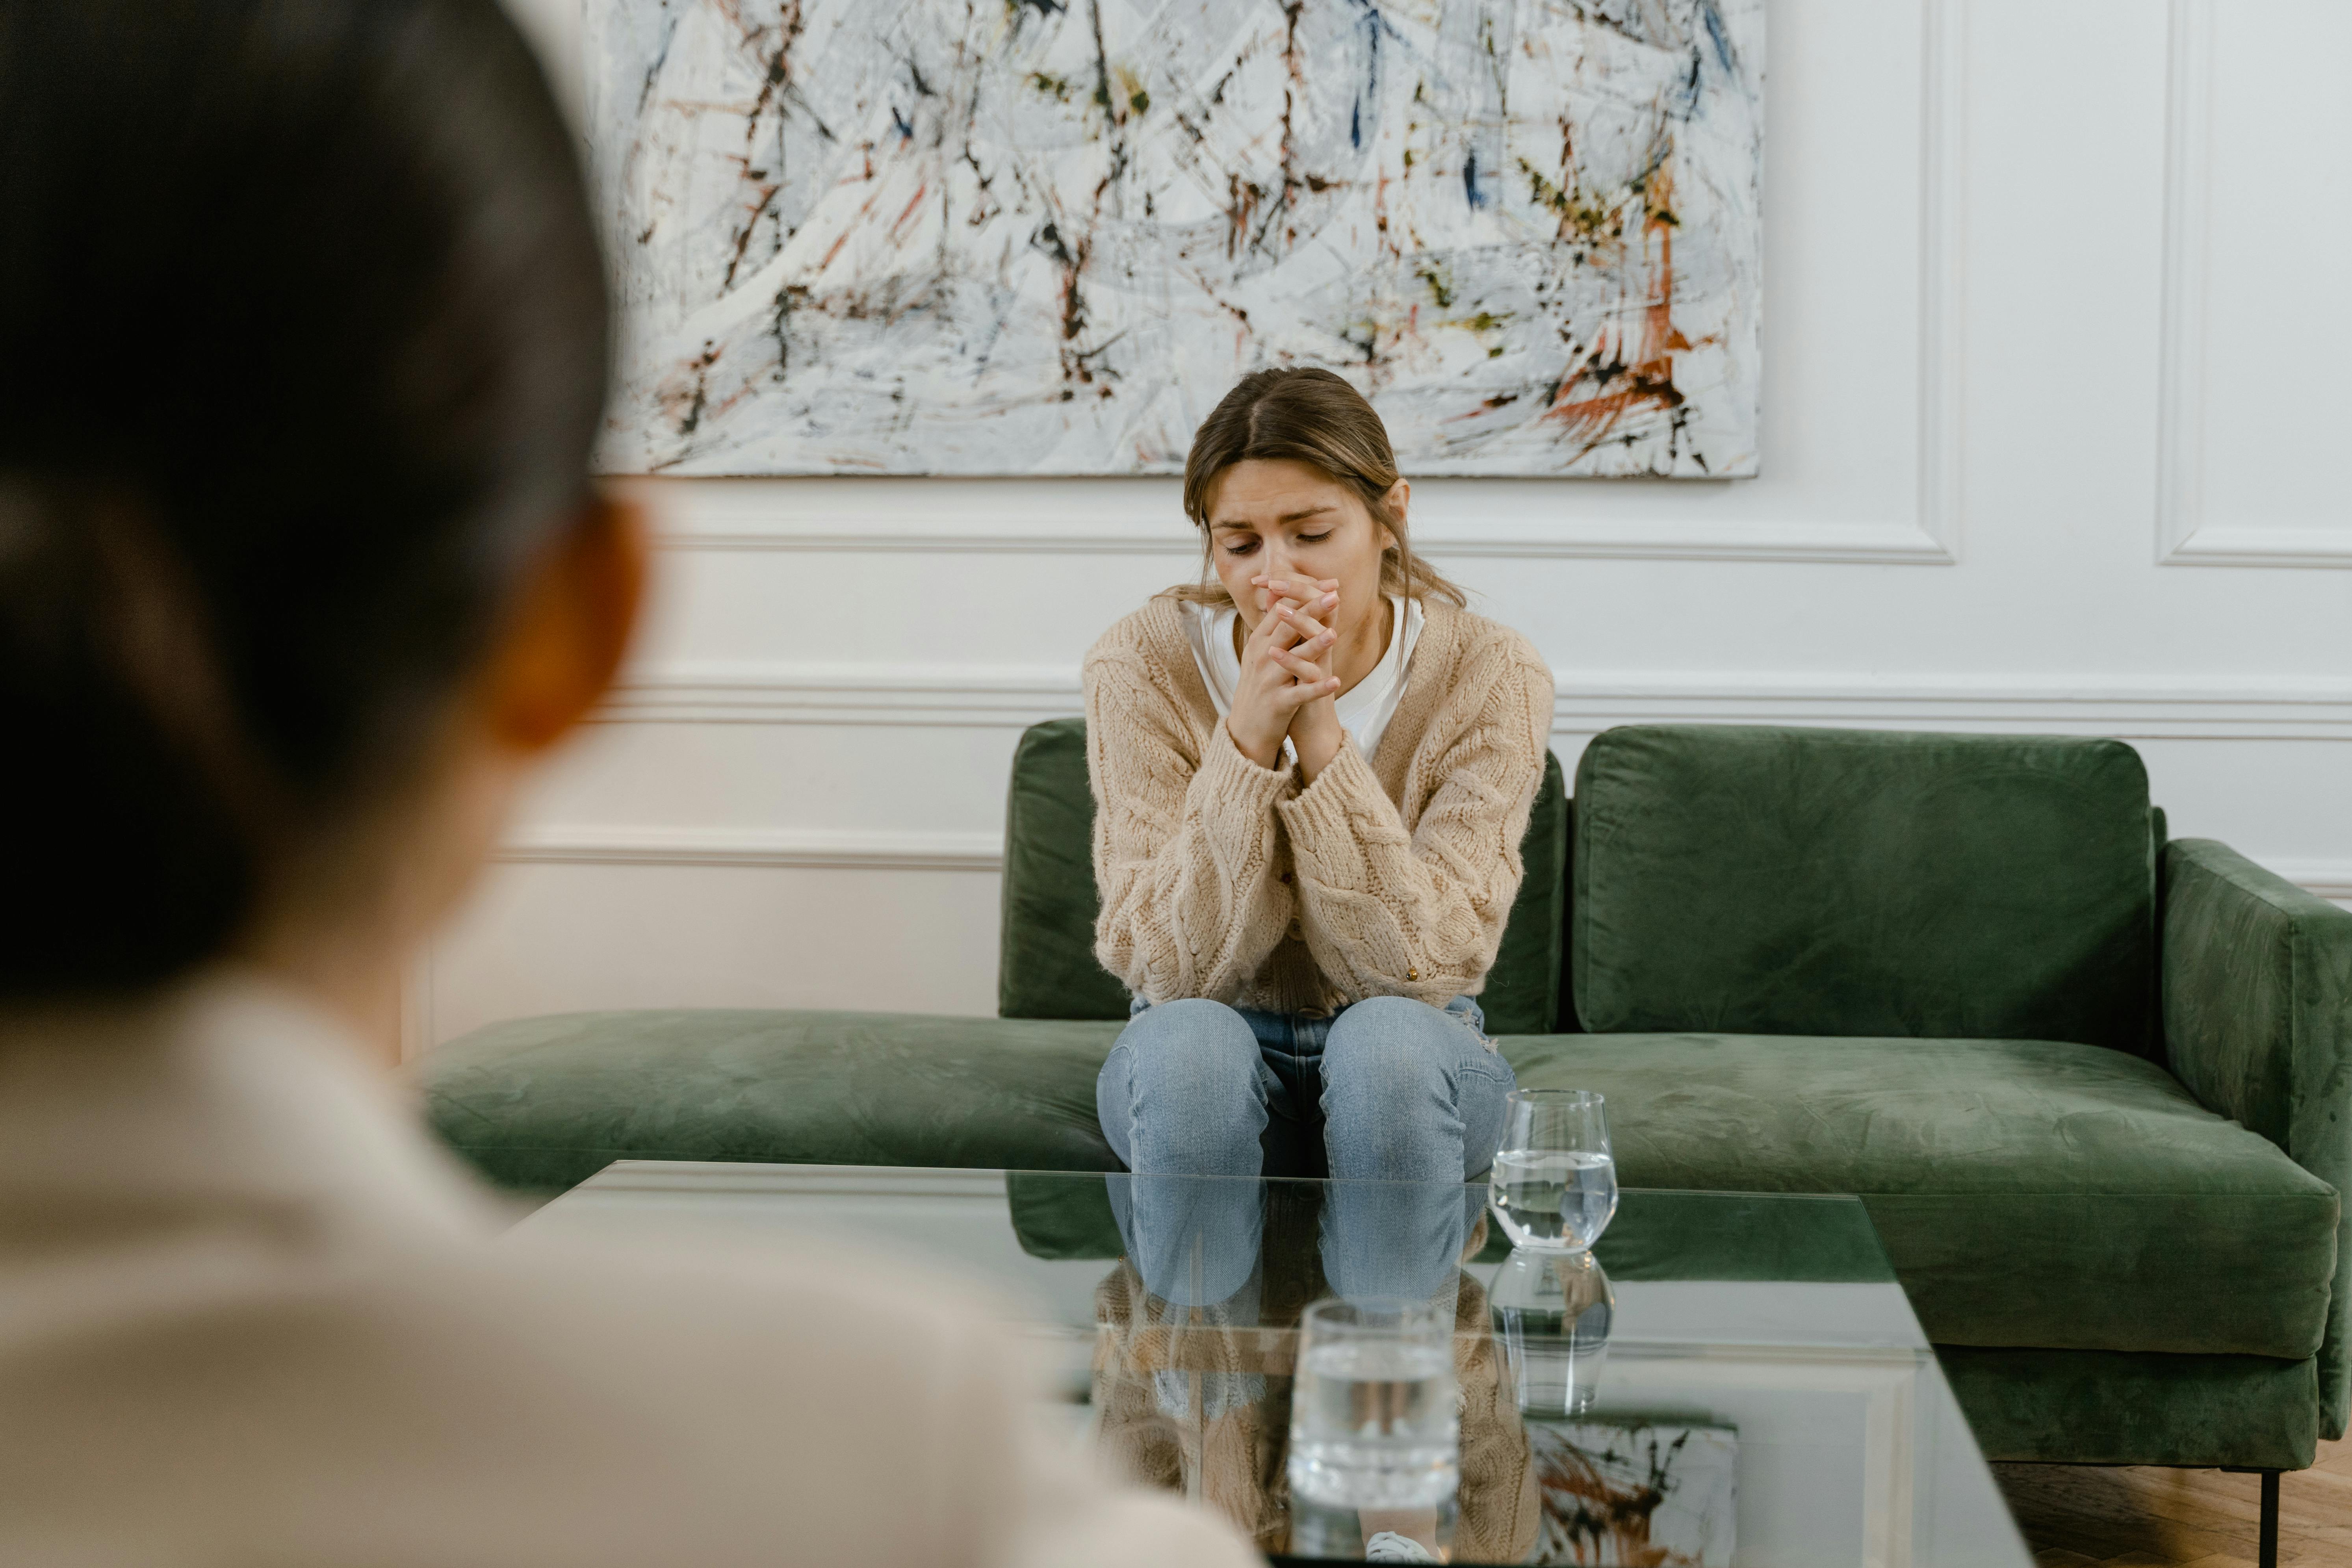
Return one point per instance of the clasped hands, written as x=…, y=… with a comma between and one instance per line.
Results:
x=1288, y=686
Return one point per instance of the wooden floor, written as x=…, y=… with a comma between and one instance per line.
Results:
x=2074, y=1517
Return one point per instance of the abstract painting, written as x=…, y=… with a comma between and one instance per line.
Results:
x=1045, y=236
x=1635, y=1496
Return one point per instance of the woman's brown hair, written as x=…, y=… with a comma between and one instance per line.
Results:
x=1305, y=415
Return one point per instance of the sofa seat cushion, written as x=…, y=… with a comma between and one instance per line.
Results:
x=541, y=1104
x=2029, y=1193
x=2100, y=1408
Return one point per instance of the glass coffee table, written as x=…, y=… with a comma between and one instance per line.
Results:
x=1729, y=1378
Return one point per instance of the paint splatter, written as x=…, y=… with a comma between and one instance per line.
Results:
x=1041, y=237
x=1663, y=1495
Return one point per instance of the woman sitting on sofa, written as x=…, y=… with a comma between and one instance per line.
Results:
x=1310, y=781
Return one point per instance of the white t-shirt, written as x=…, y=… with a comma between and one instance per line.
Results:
x=1364, y=710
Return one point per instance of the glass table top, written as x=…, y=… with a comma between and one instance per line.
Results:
x=1728, y=1378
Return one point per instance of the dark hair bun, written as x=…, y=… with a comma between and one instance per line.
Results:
x=305, y=335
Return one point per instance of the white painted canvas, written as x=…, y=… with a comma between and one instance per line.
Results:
x=1635, y=1495
x=1045, y=236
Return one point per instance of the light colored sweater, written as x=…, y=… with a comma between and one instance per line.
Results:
x=250, y=1312
x=1390, y=877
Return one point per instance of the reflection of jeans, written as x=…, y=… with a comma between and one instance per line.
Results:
x=1195, y=1239
x=1389, y=1090
x=1406, y=1102
x=1397, y=1238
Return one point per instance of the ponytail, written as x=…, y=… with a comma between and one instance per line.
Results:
x=135, y=835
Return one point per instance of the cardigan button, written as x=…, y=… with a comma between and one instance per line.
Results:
x=1412, y=974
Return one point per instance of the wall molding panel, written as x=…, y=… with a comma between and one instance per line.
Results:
x=888, y=850
x=2328, y=879
x=1943, y=237
x=2124, y=708
x=800, y=849
x=722, y=524
x=1103, y=517
x=2187, y=534
x=2180, y=331
x=1017, y=696
x=953, y=696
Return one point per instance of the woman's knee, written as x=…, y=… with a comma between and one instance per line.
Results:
x=1195, y=1049
x=1391, y=1040
x=1180, y=1094
x=1406, y=1089
x=1190, y=1030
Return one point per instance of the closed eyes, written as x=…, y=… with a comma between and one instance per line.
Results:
x=1247, y=545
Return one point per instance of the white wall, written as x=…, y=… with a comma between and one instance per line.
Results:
x=2056, y=406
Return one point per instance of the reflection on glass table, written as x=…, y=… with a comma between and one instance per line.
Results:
x=1552, y=1313
x=1725, y=1378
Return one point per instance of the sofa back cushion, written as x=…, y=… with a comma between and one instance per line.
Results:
x=1046, y=967
x=1048, y=971
x=1801, y=881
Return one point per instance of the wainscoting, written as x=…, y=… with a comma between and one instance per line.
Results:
x=2053, y=417
x=653, y=871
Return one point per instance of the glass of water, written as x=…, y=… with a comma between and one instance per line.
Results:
x=1554, y=1185
x=1552, y=1314
x=1373, y=1422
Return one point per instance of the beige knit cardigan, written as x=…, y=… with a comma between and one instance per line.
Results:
x=1389, y=878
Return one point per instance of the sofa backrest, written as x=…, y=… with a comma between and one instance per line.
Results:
x=1047, y=967
x=1802, y=881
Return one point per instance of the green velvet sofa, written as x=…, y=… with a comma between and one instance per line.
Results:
x=2091, y=1084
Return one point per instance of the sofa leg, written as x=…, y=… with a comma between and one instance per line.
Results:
x=2268, y=1554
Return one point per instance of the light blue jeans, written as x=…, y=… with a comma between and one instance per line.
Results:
x=1400, y=1101
x=1389, y=1090
x=1381, y=1092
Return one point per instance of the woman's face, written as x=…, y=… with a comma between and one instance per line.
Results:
x=1275, y=517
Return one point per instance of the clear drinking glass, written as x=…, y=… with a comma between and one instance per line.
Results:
x=1554, y=1185
x=1373, y=1417
x=1552, y=1314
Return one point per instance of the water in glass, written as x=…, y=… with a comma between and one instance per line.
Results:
x=1554, y=1182
x=1373, y=1417
x=1553, y=1200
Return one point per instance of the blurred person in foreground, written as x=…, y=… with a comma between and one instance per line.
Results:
x=302, y=333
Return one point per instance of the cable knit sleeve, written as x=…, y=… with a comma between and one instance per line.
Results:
x=1185, y=844
x=1386, y=914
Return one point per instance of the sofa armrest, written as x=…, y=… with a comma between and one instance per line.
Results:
x=2258, y=1023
